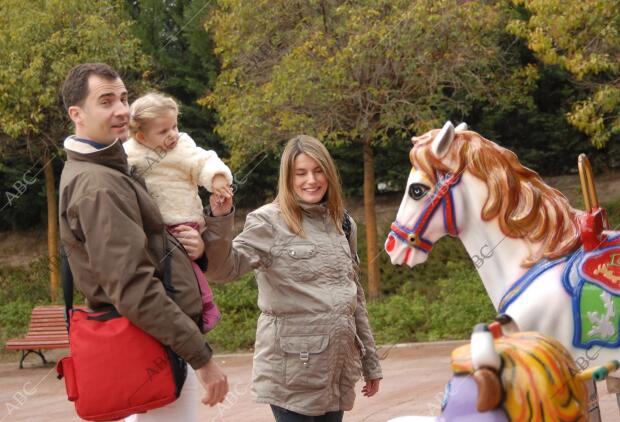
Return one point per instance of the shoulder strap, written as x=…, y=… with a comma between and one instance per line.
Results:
x=346, y=225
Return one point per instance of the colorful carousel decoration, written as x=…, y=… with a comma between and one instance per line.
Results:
x=518, y=376
x=550, y=268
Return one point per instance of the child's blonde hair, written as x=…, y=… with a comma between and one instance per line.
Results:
x=147, y=108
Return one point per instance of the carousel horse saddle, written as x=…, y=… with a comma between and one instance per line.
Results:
x=592, y=278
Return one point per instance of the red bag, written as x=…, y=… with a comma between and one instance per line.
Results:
x=115, y=369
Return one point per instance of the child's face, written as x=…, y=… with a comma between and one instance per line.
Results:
x=161, y=132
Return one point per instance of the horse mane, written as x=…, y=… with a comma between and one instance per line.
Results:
x=525, y=206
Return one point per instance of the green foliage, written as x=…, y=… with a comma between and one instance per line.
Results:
x=40, y=42
x=613, y=212
x=15, y=317
x=25, y=210
x=237, y=303
x=462, y=303
x=347, y=71
x=20, y=291
x=398, y=318
x=450, y=313
x=26, y=285
x=182, y=63
x=583, y=38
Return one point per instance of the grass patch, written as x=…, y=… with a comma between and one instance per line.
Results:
x=238, y=304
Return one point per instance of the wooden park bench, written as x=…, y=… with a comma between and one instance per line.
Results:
x=47, y=330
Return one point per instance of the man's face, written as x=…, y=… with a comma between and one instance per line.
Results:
x=104, y=116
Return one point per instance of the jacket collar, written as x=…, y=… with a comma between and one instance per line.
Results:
x=112, y=156
x=313, y=210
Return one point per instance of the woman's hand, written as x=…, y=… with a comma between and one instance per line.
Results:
x=371, y=387
x=191, y=241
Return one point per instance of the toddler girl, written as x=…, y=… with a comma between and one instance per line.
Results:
x=173, y=167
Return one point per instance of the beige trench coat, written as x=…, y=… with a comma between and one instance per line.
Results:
x=313, y=340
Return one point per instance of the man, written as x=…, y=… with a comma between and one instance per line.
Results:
x=114, y=233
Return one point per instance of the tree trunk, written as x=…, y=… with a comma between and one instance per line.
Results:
x=371, y=221
x=52, y=225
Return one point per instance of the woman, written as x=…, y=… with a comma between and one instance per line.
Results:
x=313, y=340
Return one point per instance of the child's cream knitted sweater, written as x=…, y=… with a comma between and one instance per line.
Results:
x=172, y=177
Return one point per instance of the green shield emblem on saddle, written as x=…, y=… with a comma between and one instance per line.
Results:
x=599, y=316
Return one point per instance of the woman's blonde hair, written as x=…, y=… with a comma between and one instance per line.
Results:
x=289, y=201
x=147, y=108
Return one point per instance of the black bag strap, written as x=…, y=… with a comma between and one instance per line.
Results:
x=66, y=277
x=346, y=225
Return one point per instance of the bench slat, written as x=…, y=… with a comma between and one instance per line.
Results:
x=41, y=342
x=38, y=344
x=47, y=330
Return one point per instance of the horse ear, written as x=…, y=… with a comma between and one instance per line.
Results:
x=442, y=141
x=462, y=127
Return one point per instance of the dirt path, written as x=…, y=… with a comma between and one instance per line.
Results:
x=415, y=376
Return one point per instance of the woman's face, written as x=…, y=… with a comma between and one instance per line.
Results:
x=309, y=181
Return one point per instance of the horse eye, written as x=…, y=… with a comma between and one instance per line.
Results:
x=417, y=190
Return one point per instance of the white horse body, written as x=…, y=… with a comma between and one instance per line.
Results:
x=544, y=306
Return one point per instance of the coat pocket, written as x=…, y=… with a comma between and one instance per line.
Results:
x=306, y=362
x=299, y=260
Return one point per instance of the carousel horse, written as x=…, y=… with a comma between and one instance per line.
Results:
x=522, y=376
x=551, y=268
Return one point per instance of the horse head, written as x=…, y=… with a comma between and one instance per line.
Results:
x=419, y=224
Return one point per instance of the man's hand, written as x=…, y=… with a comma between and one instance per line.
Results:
x=371, y=387
x=214, y=382
x=191, y=241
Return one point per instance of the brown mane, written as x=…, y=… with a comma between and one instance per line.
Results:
x=524, y=205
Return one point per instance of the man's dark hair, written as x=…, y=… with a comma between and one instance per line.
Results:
x=75, y=87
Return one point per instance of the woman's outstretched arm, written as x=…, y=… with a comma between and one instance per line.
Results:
x=228, y=258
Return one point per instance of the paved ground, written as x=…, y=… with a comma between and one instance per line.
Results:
x=414, y=380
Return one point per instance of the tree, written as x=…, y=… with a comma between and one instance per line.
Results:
x=183, y=64
x=40, y=41
x=353, y=73
x=582, y=37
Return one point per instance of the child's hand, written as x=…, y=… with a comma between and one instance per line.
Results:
x=220, y=205
x=220, y=187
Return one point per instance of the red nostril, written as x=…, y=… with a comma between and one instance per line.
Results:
x=389, y=245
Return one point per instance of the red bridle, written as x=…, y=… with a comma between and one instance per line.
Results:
x=414, y=237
